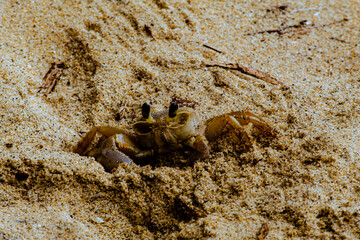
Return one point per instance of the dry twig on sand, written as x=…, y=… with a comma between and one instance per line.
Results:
x=263, y=232
x=52, y=76
x=302, y=26
x=211, y=48
x=249, y=71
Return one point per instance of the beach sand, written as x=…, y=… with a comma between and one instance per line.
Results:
x=112, y=56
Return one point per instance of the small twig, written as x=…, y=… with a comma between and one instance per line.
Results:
x=263, y=232
x=295, y=27
x=252, y=72
x=344, y=41
x=211, y=48
x=302, y=26
x=148, y=30
x=282, y=8
x=307, y=9
x=338, y=39
x=332, y=23
x=52, y=76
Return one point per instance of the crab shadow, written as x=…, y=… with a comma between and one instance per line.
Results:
x=178, y=159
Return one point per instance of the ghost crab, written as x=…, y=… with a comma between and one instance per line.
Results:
x=164, y=132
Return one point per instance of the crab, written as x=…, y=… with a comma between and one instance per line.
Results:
x=167, y=131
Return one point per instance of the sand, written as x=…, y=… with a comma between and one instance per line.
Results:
x=116, y=55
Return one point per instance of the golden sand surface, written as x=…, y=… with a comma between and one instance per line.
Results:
x=115, y=55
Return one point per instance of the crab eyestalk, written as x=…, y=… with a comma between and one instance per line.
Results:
x=173, y=110
x=146, y=113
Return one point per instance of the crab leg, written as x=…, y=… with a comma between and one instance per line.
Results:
x=108, y=155
x=221, y=124
x=200, y=144
x=106, y=131
x=235, y=120
x=246, y=117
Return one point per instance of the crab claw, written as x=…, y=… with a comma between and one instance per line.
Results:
x=112, y=158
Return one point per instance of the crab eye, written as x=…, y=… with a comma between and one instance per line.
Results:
x=173, y=110
x=142, y=127
x=145, y=110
